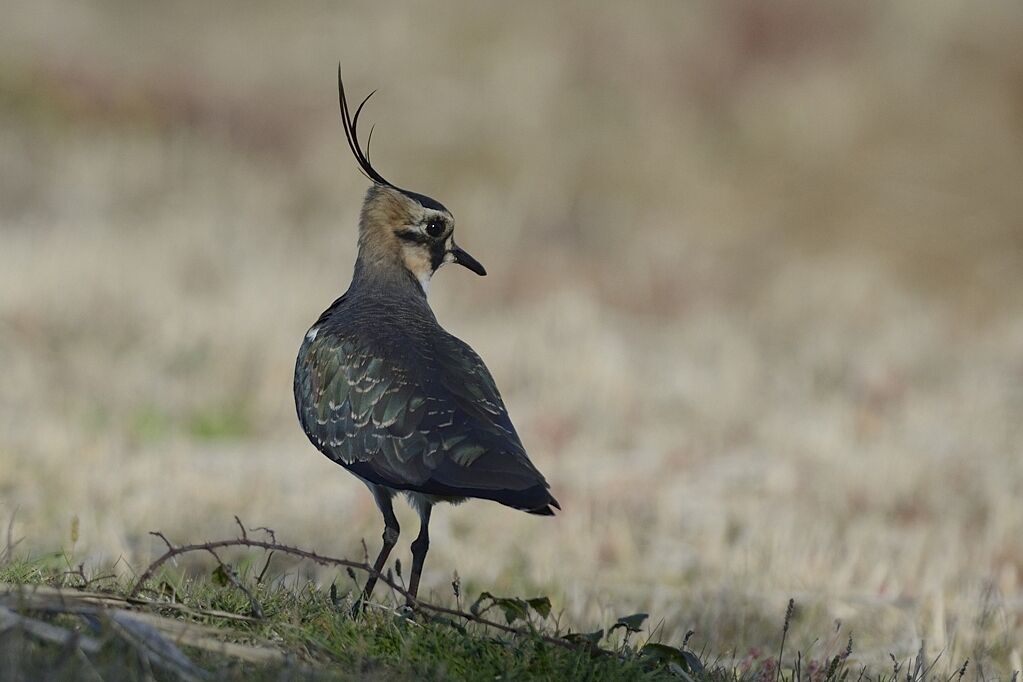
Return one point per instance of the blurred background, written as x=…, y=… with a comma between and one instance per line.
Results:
x=754, y=298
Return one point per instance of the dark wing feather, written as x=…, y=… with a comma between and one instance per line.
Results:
x=434, y=424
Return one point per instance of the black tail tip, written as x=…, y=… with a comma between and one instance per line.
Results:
x=546, y=510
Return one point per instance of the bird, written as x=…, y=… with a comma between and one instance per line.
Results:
x=382, y=389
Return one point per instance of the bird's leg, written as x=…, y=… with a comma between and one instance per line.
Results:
x=390, y=537
x=420, y=546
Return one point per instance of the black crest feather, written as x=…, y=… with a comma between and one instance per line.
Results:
x=351, y=124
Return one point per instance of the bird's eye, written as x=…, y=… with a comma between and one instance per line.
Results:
x=435, y=228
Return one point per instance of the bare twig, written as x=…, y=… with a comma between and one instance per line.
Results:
x=195, y=613
x=162, y=537
x=262, y=573
x=77, y=572
x=174, y=551
x=269, y=531
x=229, y=574
x=87, y=582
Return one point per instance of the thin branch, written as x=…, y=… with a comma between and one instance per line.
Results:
x=323, y=560
x=228, y=573
x=87, y=582
x=262, y=573
x=78, y=572
x=268, y=531
x=162, y=537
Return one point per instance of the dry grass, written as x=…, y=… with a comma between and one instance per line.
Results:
x=754, y=300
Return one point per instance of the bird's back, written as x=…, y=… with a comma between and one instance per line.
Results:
x=384, y=390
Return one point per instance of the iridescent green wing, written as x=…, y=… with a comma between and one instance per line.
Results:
x=360, y=407
x=430, y=420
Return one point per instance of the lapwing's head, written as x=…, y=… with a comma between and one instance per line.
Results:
x=399, y=228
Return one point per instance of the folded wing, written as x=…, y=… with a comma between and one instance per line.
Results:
x=433, y=423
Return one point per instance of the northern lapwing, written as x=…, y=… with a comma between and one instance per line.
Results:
x=383, y=390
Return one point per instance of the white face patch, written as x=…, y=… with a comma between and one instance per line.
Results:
x=417, y=261
x=424, y=281
x=418, y=257
x=312, y=333
x=448, y=256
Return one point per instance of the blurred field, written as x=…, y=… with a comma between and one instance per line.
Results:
x=754, y=304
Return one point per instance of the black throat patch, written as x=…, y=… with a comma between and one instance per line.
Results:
x=435, y=246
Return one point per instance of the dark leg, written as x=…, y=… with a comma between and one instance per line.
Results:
x=391, y=531
x=420, y=546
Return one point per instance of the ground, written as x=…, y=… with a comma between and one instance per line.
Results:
x=244, y=624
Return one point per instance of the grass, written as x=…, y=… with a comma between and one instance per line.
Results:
x=312, y=629
x=184, y=625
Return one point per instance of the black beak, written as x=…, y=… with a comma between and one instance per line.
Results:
x=464, y=259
